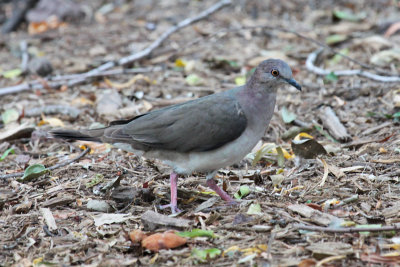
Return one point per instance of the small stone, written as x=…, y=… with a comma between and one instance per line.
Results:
x=152, y=220
x=98, y=205
x=40, y=66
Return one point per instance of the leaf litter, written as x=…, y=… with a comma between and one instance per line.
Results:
x=52, y=208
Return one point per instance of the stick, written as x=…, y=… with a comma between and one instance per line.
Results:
x=302, y=36
x=75, y=79
x=347, y=230
x=23, y=46
x=326, y=172
x=57, y=81
x=184, y=23
x=335, y=127
x=320, y=71
x=59, y=165
x=147, y=51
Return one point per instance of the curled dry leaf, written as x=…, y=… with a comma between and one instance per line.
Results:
x=137, y=236
x=165, y=240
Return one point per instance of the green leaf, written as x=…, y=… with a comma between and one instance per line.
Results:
x=203, y=255
x=193, y=79
x=281, y=157
x=335, y=38
x=346, y=15
x=254, y=209
x=32, y=172
x=372, y=226
x=10, y=115
x=338, y=57
x=287, y=116
x=267, y=148
x=233, y=63
x=240, y=80
x=244, y=190
x=396, y=115
x=98, y=178
x=277, y=179
x=324, y=133
x=197, y=233
x=251, y=72
x=331, y=77
x=388, y=116
x=12, y=74
x=5, y=154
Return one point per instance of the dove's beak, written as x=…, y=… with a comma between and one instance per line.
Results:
x=293, y=83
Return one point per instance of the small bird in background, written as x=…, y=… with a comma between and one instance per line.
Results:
x=201, y=135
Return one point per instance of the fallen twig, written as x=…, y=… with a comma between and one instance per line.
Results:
x=23, y=46
x=386, y=161
x=57, y=81
x=335, y=127
x=59, y=165
x=320, y=71
x=65, y=163
x=75, y=79
x=326, y=172
x=148, y=50
x=302, y=36
x=347, y=230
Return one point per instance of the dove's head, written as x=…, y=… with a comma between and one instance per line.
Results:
x=272, y=73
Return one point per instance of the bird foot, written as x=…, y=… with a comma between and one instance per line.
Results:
x=174, y=208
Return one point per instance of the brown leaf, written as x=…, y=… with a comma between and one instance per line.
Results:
x=376, y=258
x=307, y=148
x=314, y=206
x=307, y=263
x=392, y=29
x=137, y=236
x=165, y=240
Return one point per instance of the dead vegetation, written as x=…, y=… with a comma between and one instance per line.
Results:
x=72, y=208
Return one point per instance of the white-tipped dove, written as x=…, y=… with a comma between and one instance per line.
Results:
x=201, y=135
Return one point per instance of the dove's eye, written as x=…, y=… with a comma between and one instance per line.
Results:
x=274, y=72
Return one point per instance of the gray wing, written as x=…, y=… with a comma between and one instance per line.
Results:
x=199, y=125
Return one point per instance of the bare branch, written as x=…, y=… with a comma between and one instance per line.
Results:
x=320, y=71
x=347, y=230
x=147, y=51
x=75, y=79
x=59, y=165
x=57, y=81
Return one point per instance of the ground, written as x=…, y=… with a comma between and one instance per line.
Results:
x=361, y=169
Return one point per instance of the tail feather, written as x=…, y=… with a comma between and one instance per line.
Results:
x=87, y=135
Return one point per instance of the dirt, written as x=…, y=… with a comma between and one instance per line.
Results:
x=361, y=188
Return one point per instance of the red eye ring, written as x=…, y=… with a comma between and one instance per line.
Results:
x=275, y=72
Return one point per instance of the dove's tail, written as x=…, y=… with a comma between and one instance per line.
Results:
x=85, y=135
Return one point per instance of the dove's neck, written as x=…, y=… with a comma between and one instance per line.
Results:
x=258, y=104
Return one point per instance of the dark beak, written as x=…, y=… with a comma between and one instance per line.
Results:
x=293, y=83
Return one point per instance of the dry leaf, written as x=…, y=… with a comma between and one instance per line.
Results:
x=392, y=29
x=54, y=122
x=165, y=240
x=307, y=263
x=137, y=236
x=39, y=27
x=129, y=83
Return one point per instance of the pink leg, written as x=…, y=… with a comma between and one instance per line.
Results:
x=174, y=199
x=213, y=185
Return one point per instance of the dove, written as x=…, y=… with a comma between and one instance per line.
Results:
x=201, y=135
